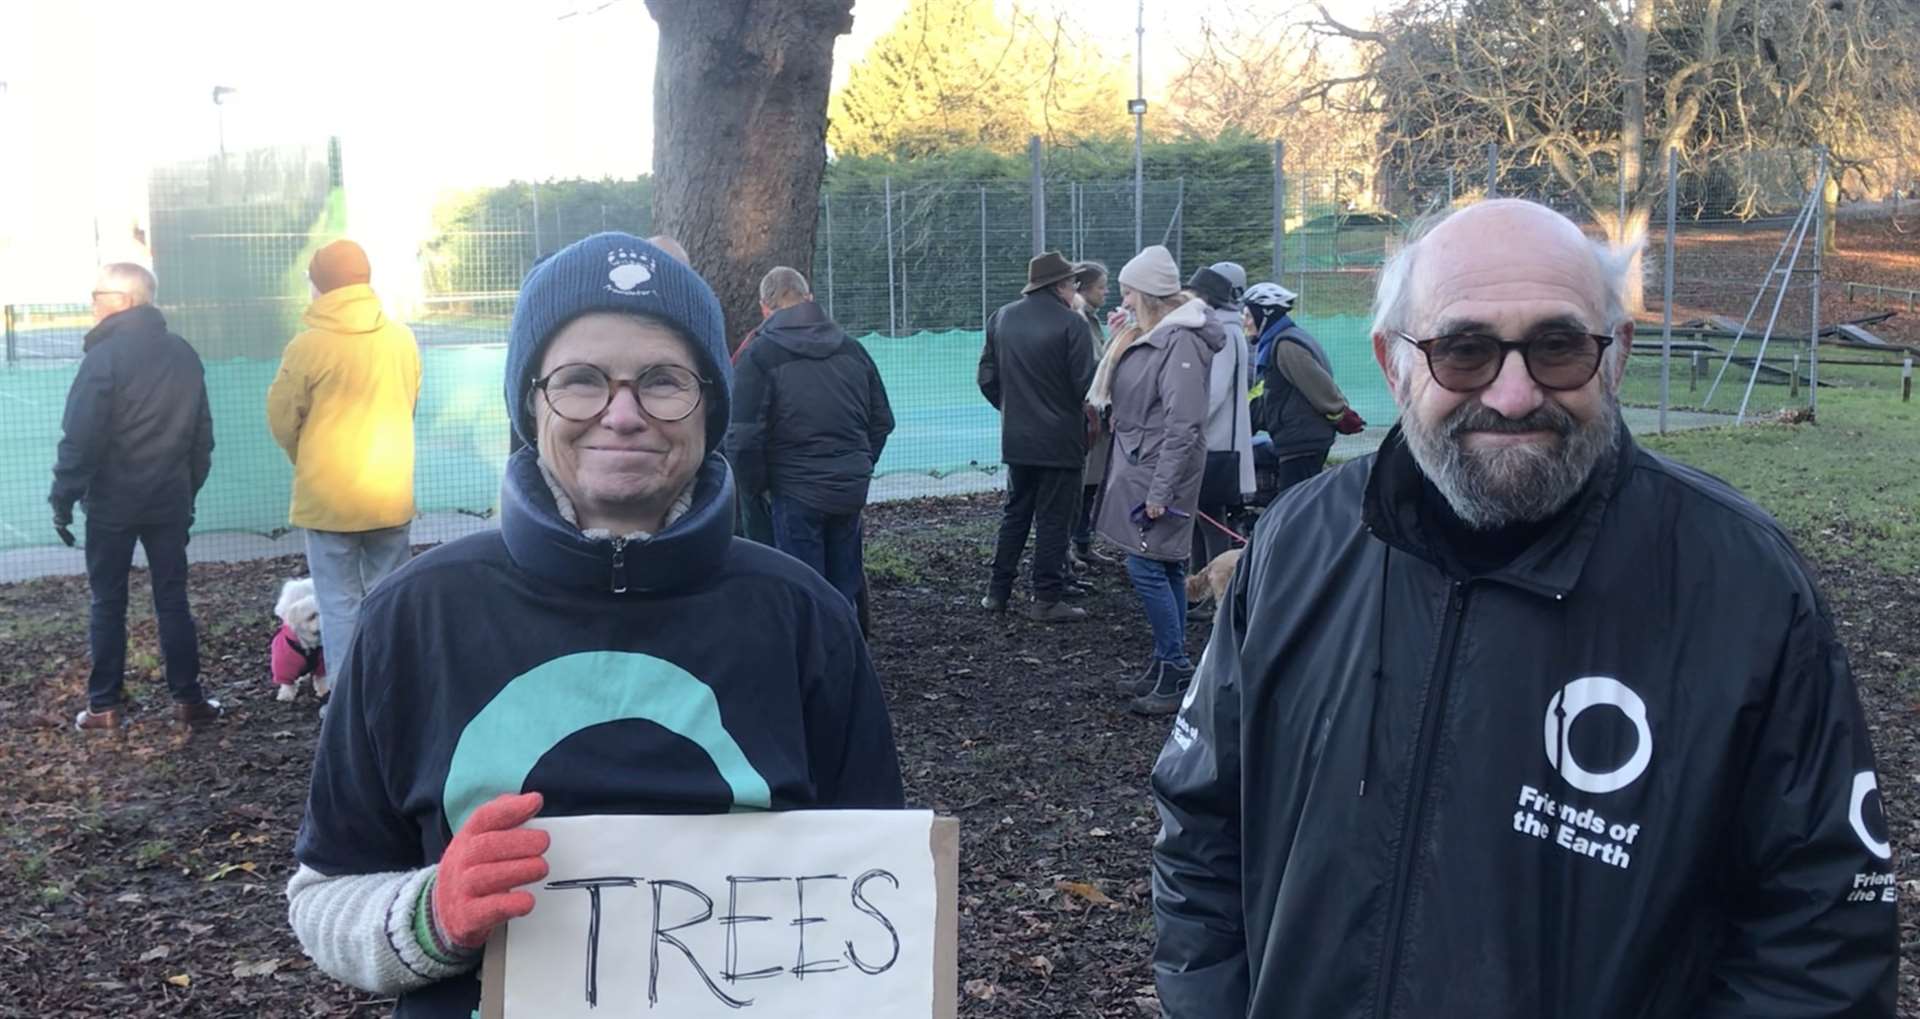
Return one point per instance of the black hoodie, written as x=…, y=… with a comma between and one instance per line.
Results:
x=614, y=676
x=810, y=413
x=1625, y=774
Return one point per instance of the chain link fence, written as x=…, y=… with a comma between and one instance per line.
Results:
x=912, y=265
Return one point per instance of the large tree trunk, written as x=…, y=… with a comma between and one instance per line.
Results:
x=1633, y=135
x=1633, y=105
x=739, y=144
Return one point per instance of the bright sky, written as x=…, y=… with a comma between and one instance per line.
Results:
x=425, y=94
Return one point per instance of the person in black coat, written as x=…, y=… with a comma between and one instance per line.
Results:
x=137, y=444
x=1514, y=718
x=1035, y=369
x=810, y=418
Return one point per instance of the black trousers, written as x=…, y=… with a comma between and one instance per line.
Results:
x=1083, y=526
x=1045, y=500
x=109, y=558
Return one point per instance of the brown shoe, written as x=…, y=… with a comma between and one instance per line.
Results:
x=199, y=713
x=1055, y=612
x=109, y=720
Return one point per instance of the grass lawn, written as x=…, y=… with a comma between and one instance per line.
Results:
x=1846, y=486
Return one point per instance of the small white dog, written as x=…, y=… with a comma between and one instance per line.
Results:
x=296, y=652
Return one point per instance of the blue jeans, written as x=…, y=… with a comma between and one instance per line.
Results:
x=827, y=542
x=345, y=565
x=1162, y=587
x=109, y=557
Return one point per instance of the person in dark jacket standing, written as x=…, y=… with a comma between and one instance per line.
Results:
x=137, y=446
x=1514, y=718
x=611, y=648
x=1295, y=400
x=810, y=417
x=1035, y=369
x=1229, y=476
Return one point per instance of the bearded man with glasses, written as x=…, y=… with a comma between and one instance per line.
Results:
x=1514, y=718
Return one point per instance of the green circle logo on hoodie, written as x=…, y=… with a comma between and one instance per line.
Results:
x=540, y=708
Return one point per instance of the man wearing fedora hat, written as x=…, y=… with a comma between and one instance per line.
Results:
x=1035, y=370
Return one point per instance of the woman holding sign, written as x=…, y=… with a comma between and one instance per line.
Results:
x=585, y=658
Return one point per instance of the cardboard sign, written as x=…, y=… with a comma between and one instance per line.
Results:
x=822, y=913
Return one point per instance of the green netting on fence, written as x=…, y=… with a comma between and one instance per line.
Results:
x=461, y=431
x=943, y=424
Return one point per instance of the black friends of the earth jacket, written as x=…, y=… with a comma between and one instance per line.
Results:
x=1625, y=776
x=1035, y=369
x=687, y=673
x=137, y=438
x=810, y=413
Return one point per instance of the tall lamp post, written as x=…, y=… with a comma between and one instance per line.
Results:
x=1138, y=107
x=220, y=94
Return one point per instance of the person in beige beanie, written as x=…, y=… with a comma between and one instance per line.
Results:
x=1153, y=384
x=1152, y=272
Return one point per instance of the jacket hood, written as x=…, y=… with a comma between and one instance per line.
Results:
x=1391, y=511
x=1228, y=319
x=1193, y=316
x=803, y=329
x=349, y=309
x=139, y=319
x=684, y=554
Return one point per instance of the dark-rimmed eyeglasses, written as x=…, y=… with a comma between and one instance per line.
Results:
x=583, y=392
x=1557, y=359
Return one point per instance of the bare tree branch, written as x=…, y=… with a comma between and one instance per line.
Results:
x=1330, y=25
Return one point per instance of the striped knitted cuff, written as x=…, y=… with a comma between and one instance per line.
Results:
x=404, y=937
x=427, y=933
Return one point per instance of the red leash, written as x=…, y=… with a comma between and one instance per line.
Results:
x=1222, y=528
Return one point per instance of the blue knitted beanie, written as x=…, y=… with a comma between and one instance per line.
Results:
x=615, y=272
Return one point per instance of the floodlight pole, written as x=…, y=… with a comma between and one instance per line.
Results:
x=220, y=94
x=1138, y=107
x=1666, y=303
x=1819, y=241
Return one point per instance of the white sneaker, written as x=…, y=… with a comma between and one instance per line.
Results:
x=286, y=693
x=321, y=686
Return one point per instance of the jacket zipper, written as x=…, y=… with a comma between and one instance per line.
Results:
x=619, y=565
x=1417, y=794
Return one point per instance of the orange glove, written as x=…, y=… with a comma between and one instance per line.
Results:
x=489, y=857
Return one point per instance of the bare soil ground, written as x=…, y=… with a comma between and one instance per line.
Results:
x=143, y=876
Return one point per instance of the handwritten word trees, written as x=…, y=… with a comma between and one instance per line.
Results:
x=827, y=913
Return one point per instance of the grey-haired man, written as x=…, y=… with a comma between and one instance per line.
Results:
x=1514, y=718
x=136, y=445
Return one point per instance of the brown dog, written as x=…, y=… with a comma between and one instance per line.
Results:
x=1213, y=581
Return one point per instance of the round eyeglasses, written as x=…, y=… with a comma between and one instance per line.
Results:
x=1557, y=359
x=583, y=392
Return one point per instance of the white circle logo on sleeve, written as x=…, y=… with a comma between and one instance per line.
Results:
x=1590, y=692
x=1864, y=783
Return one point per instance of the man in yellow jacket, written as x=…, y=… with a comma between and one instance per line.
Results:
x=342, y=407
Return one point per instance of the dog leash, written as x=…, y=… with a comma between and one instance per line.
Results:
x=1222, y=528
